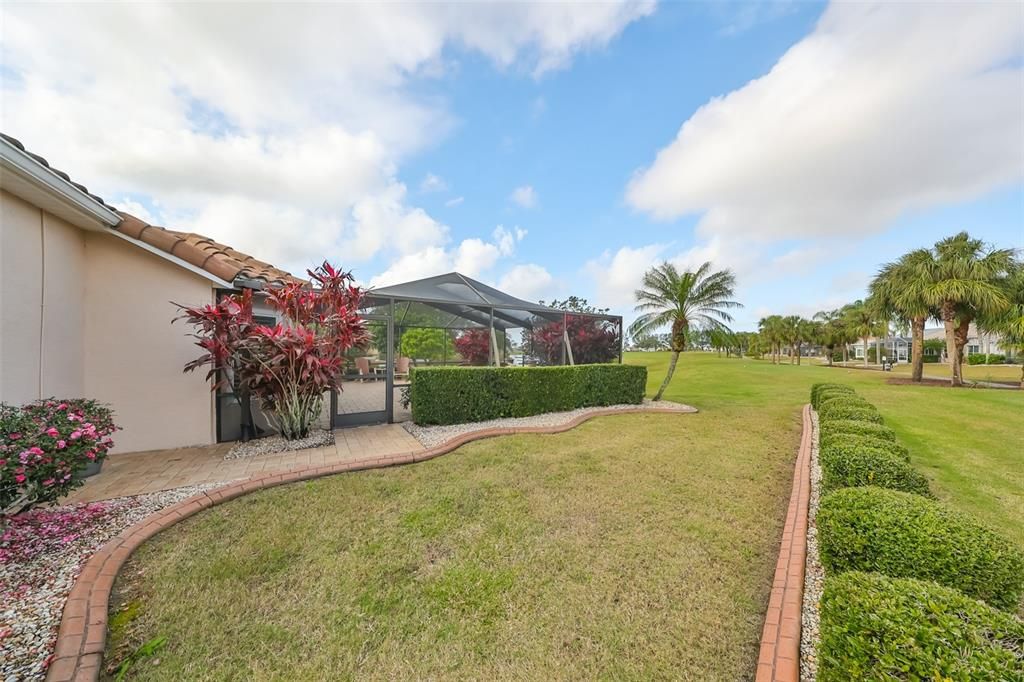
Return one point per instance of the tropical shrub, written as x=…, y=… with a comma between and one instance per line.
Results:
x=289, y=366
x=908, y=536
x=847, y=411
x=454, y=395
x=845, y=467
x=828, y=400
x=860, y=428
x=474, y=346
x=996, y=360
x=593, y=340
x=44, y=444
x=421, y=343
x=879, y=628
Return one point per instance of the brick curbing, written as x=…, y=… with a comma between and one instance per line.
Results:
x=82, y=637
x=779, y=660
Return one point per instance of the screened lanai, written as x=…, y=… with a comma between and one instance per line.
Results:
x=452, y=319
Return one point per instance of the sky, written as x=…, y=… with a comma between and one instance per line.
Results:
x=547, y=149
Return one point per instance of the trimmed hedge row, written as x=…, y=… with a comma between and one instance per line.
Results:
x=908, y=536
x=456, y=395
x=848, y=410
x=852, y=427
x=845, y=466
x=879, y=628
x=819, y=390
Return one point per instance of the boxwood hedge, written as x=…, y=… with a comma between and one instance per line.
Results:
x=455, y=395
x=829, y=439
x=908, y=536
x=878, y=628
x=818, y=389
x=845, y=466
x=837, y=410
x=860, y=428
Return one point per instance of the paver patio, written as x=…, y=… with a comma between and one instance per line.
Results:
x=147, y=472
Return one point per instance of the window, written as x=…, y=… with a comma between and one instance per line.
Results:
x=973, y=348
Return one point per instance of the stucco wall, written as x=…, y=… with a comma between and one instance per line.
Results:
x=42, y=267
x=135, y=355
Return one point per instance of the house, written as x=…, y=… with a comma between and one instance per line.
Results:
x=899, y=347
x=85, y=305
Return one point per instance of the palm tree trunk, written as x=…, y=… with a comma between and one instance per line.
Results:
x=668, y=376
x=917, y=348
x=799, y=346
x=865, y=344
x=830, y=350
x=948, y=317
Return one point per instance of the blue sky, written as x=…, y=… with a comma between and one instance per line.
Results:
x=549, y=149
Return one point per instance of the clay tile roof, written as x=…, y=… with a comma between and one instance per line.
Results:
x=199, y=250
x=46, y=164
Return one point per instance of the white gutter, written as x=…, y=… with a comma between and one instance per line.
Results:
x=173, y=259
x=20, y=163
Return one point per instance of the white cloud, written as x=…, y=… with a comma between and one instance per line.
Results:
x=285, y=144
x=433, y=183
x=506, y=239
x=524, y=196
x=528, y=281
x=454, y=201
x=617, y=275
x=883, y=109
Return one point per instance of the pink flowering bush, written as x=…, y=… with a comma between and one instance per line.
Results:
x=44, y=444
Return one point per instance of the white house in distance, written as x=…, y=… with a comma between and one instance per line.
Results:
x=898, y=347
x=85, y=305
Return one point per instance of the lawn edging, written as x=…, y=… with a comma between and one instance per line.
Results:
x=779, y=660
x=81, y=640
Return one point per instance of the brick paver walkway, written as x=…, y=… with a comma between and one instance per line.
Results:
x=147, y=472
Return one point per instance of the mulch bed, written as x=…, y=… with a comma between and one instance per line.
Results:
x=943, y=383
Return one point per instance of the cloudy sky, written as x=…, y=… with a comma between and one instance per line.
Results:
x=548, y=149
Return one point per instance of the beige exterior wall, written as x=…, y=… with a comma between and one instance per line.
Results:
x=87, y=314
x=42, y=269
x=134, y=356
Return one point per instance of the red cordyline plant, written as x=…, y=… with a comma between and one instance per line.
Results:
x=474, y=345
x=593, y=340
x=289, y=366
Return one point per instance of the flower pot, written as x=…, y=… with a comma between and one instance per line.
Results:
x=90, y=469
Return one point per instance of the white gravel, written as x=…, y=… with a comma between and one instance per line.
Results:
x=38, y=571
x=274, y=444
x=814, y=575
x=431, y=436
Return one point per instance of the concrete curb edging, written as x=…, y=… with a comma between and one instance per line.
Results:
x=779, y=660
x=82, y=637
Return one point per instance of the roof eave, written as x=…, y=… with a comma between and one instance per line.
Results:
x=29, y=176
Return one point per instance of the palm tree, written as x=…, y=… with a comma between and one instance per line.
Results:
x=1010, y=323
x=900, y=288
x=861, y=320
x=699, y=299
x=831, y=331
x=773, y=330
x=965, y=281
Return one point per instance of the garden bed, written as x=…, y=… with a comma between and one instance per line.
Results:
x=41, y=554
x=272, y=445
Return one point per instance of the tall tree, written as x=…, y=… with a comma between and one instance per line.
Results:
x=772, y=328
x=831, y=331
x=966, y=279
x=901, y=288
x=699, y=299
x=1009, y=323
x=861, y=319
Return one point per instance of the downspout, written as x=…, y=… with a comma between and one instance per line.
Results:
x=42, y=298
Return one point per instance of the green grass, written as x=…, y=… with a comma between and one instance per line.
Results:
x=999, y=373
x=633, y=547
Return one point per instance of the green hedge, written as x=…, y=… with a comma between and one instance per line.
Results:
x=830, y=400
x=829, y=439
x=825, y=387
x=878, y=628
x=844, y=466
x=982, y=359
x=846, y=411
x=854, y=427
x=908, y=536
x=455, y=395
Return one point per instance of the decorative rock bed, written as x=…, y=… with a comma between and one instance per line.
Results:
x=41, y=554
x=431, y=436
x=814, y=574
x=274, y=444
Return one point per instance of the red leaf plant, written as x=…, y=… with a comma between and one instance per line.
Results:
x=593, y=340
x=474, y=345
x=289, y=366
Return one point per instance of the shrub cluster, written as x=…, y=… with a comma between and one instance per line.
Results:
x=908, y=536
x=44, y=444
x=983, y=359
x=455, y=395
x=879, y=628
x=904, y=572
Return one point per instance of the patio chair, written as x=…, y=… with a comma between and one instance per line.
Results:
x=363, y=365
x=402, y=368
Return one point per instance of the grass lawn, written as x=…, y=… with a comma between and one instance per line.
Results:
x=998, y=373
x=636, y=546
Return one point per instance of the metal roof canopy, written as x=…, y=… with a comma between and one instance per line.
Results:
x=467, y=299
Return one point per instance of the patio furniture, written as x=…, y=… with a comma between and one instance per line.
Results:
x=363, y=366
x=402, y=367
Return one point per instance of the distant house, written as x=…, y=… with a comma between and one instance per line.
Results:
x=899, y=347
x=85, y=304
